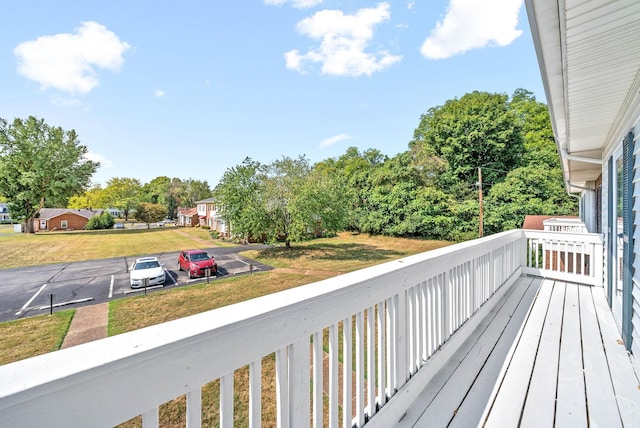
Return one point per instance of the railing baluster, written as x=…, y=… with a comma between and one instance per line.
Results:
x=282, y=389
x=298, y=382
x=255, y=393
x=391, y=346
x=318, y=380
x=347, y=373
x=360, y=368
x=151, y=419
x=194, y=408
x=382, y=354
x=333, y=376
x=226, y=401
x=371, y=360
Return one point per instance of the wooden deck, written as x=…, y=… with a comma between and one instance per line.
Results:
x=548, y=355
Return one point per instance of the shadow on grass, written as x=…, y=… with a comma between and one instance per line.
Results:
x=355, y=252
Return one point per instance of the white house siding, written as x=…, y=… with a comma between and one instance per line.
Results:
x=635, y=344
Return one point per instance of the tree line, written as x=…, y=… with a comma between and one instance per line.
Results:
x=430, y=190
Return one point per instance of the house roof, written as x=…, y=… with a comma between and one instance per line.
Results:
x=188, y=212
x=589, y=57
x=536, y=222
x=206, y=201
x=49, y=213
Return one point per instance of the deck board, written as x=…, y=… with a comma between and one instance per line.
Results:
x=624, y=379
x=440, y=400
x=539, y=409
x=599, y=389
x=472, y=408
x=571, y=407
x=445, y=406
x=515, y=383
x=548, y=355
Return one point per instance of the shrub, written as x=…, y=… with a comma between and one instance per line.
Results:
x=101, y=221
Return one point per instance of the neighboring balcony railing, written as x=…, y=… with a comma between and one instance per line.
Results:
x=576, y=257
x=377, y=327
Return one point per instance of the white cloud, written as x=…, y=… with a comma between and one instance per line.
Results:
x=343, y=42
x=471, y=24
x=334, y=140
x=95, y=157
x=298, y=4
x=68, y=61
x=158, y=93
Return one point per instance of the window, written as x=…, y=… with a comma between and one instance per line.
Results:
x=64, y=224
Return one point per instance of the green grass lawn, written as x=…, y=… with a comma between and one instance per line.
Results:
x=302, y=264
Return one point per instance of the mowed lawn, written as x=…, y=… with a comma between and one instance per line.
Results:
x=22, y=249
x=302, y=264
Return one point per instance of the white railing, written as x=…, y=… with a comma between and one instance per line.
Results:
x=378, y=327
x=576, y=257
x=563, y=224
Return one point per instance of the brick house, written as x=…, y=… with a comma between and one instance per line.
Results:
x=208, y=216
x=188, y=217
x=51, y=219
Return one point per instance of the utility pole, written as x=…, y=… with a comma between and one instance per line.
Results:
x=480, y=197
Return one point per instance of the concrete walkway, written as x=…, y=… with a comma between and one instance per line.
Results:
x=89, y=323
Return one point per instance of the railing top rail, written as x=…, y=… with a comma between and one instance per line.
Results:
x=596, y=238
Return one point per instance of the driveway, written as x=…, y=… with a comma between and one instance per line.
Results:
x=36, y=290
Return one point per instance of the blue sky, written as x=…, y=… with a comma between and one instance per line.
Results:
x=188, y=89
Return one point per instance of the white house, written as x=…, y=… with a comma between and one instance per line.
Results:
x=589, y=57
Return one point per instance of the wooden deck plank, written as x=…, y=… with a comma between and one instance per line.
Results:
x=517, y=371
x=470, y=411
x=571, y=408
x=624, y=379
x=540, y=406
x=601, y=401
x=443, y=378
x=445, y=405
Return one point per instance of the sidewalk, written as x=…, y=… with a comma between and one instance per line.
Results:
x=89, y=323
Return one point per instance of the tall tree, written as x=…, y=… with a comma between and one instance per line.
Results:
x=284, y=200
x=40, y=166
x=92, y=198
x=150, y=213
x=239, y=199
x=479, y=129
x=123, y=193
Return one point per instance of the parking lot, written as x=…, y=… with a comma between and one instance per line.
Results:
x=37, y=290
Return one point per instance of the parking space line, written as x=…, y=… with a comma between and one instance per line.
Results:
x=252, y=267
x=70, y=302
x=31, y=300
x=111, y=287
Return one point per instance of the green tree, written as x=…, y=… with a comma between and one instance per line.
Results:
x=123, y=193
x=150, y=213
x=40, y=166
x=92, y=198
x=190, y=191
x=101, y=221
x=239, y=200
x=527, y=190
x=285, y=200
x=479, y=129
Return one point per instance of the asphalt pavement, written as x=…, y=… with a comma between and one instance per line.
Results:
x=36, y=290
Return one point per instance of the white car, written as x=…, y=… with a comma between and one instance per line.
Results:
x=147, y=267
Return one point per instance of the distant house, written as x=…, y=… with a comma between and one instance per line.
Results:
x=188, y=217
x=51, y=219
x=115, y=212
x=208, y=216
x=5, y=217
